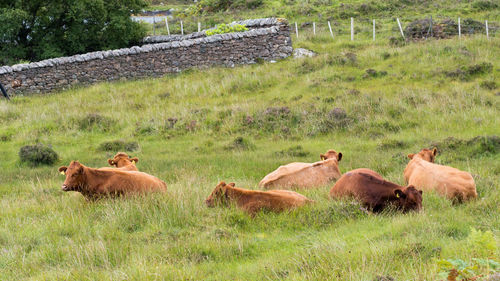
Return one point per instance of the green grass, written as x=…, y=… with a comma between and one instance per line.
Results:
x=46, y=234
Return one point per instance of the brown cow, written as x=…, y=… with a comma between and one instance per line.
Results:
x=375, y=193
x=123, y=162
x=252, y=201
x=447, y=181
x=305, y=175
x=94, y=183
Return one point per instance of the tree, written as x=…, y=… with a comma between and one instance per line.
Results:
x=33, y=30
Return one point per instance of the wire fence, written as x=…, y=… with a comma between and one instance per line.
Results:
x=357, y=28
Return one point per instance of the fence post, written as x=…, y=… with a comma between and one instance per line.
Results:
x=199, y=26
x=166, y=24
x=330, y=27
x=154, y=24
x=459, y=29
x=352, y=29
x=314, y=28
x=432, y=32
x=487, y=33
x=182, y=29
x=373, y=30
x=296, y=30
x=400, y=28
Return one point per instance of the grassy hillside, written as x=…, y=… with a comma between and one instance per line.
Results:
x=212, y=12
x=373, y=102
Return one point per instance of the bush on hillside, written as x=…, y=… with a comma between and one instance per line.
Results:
x=38, y=154
x=212, y=6
x=485, y=5
x=119, y=145
x=420, y=29
x=95, y=121
x=474, y=147
x=468, y=71
x=294, y=151
x=488, y=85
x=240, y=143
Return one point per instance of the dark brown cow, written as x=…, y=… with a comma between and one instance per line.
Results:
x=375, y=193
x=124, y=162
x=252, y=201
x=94, y=183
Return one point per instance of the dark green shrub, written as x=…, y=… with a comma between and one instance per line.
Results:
x=239, y=143
x=396, y=41
x=294, y=151
x=38, y=154
x=474, y=147
x=95, y=121
x=467, y=72
x=373, y=73
x=485, y=5
x=118, y=145
x=335, y=119
x=247, y=4
x=389, y=144
x=488, y=85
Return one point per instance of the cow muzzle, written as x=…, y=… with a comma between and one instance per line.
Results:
x=65, y=187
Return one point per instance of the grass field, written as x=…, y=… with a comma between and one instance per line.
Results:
x=373, y=102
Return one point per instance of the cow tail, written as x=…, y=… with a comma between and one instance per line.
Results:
x=4, y=92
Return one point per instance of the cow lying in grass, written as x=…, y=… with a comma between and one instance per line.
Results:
x=305, y=175
x=123, y=162
x=252, y=201
x=94, y=183
x=375, y=193
x=447, y=181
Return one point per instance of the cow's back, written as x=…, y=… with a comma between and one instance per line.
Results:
x=368, y=172
x=135, y=181
x=303, y=175
x=347, y=185
x=447, y=181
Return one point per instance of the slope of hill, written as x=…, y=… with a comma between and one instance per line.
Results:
x=372, y=101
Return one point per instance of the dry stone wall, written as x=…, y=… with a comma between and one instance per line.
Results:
x=267, y=39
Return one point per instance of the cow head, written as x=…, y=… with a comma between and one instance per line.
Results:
x=74, y=176
x=409, y=198
x=121, y=159
x=426, y=154
x=331, y=154
x=219, y=195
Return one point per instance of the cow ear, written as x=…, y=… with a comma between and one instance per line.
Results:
x=111, y=162
x=134, y=160
x=434, y=151
x=62, y=170
x=232, y=184
x=399, y=193
x=411, y=155
x=222, y=183
x=339, y=156
x=322, y=157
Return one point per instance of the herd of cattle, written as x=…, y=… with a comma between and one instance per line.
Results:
x=365, y=185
